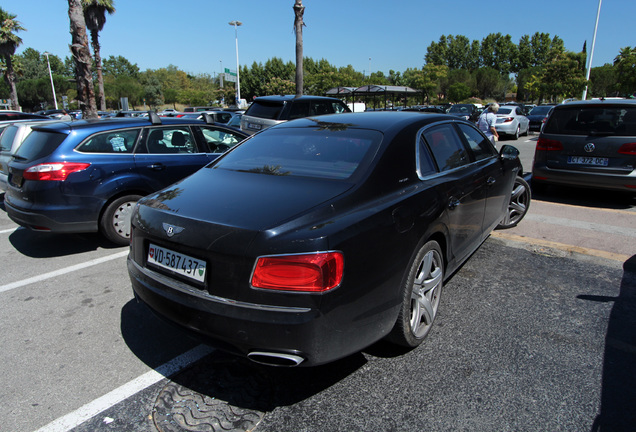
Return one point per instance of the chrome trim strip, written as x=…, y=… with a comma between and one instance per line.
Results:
x=200, y=293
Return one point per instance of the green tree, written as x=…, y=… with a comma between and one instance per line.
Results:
x=437, y=53
x=625, y=64
x=82, y=58
x=95, y=17
x=9, y=41
x=120, y=66
x=564, y=76
x=458, y=92
x=487, y=81
x=603, y=81
x=499, y=52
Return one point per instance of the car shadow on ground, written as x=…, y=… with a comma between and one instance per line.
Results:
x=237, y=382
x=618, y=392
x=593, y=198
x=47, y=245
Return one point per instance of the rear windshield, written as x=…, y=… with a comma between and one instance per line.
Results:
x=318, y=153
x=461, y=109
x=267, y=110
x=593, y=120
x=39, y=144
x=540, y=110
x=504, y=110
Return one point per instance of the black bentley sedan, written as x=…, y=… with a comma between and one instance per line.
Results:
x=318, y=237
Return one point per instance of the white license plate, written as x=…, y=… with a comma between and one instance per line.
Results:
x=177, y=262
x=587, y=160
x=254, y=126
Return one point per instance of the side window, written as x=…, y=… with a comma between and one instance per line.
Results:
x=339, y=107
x=425, y=164
x=299, y=110
x=480, y=145
x=219, y=141
x=320, y=108
x=446, y=147
x=121, y=141
x=170, y=140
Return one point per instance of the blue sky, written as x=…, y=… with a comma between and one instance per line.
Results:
x=195, y=35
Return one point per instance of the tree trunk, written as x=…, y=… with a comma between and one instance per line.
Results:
x=98, y=69
x=9, y=77
x=82, y=56
x=299, y=11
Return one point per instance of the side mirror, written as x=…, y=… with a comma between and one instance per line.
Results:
x=509, y=152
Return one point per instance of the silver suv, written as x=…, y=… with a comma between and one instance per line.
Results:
x=268, y=111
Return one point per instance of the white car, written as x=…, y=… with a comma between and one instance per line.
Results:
x=511, y=121
x=11, y=137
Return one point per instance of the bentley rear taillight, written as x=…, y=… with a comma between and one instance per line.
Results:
x=316, y=272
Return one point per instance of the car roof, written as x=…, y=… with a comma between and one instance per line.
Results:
x=115, y=123
x=283, y=98
x=630, y=102
x=383, y=121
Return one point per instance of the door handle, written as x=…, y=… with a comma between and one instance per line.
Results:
x=453, y=203
x=157, y=166
x=491, y=181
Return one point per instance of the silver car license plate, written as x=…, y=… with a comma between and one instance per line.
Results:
x=177, y=262
x=588, y=160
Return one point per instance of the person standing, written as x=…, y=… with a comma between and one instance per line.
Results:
x=487, y=121
x=66, y=116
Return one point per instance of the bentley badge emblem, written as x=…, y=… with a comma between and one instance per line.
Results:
x=171, y=229
x=589, y=147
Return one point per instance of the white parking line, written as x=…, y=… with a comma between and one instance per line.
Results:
x=59, y=272
x=91, y=409
x=8, y=230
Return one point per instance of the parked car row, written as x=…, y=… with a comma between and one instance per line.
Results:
x=86, y=175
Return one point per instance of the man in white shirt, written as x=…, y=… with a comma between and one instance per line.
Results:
x=487, y=121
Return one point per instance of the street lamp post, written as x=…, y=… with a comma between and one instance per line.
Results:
x=236, y=24
x=589, y=64
x=51, y=76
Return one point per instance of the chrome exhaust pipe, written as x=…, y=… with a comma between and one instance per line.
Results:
x=275, y=359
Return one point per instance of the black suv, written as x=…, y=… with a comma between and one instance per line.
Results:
x=268, y=111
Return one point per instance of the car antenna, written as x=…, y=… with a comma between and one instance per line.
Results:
x=154, y=118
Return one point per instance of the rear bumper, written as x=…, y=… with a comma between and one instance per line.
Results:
x=245, y=328
x=47, y=223
x=506, y=128
x=541, y=174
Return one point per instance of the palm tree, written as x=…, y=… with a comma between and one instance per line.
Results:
x=95, y=17
x=9, y=41
x=82, y=57
x=299, y=11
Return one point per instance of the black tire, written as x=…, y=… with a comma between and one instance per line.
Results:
x=420, y=296
x=518, y=206
x=516, y=135
x=115, y=221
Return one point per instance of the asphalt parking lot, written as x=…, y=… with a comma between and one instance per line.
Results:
x=530, y=336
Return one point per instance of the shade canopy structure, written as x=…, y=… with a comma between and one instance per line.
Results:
x=385, y=93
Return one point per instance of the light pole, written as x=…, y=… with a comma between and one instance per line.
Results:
x=589, y=65
x=51, y=76
x=236, y=25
